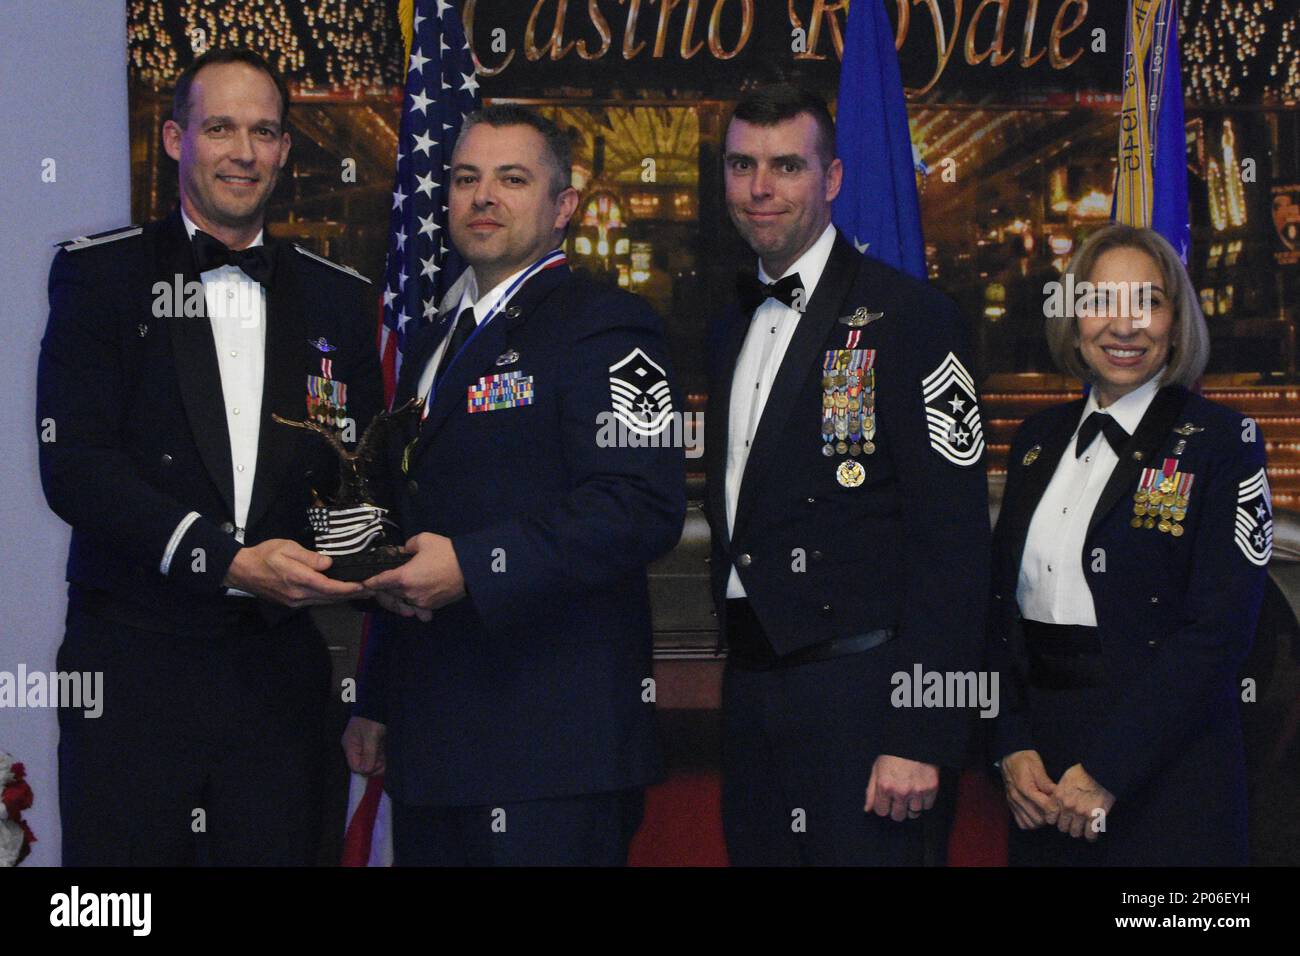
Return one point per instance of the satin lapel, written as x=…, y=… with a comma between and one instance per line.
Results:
x=1035, y=479
x=284, y=382
x=717, y=420
x=1141, y=449
x=801, y=358
x=479, y=355
x=195, y=354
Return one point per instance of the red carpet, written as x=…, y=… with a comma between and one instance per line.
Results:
x=683, y=824
x=979, y=831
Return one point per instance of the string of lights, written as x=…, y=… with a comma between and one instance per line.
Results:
x=1235, y=50
x=333, y=44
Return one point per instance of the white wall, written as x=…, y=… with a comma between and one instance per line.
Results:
x=62, y=97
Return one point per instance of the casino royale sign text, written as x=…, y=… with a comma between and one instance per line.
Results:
x=987, y=33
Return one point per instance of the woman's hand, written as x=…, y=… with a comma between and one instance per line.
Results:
x=1080, y=802
x=1029, y=789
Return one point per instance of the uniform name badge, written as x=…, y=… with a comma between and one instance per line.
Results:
x=1161, y=499
x=848, y=421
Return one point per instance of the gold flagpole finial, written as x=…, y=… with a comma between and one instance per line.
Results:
x=406, y=19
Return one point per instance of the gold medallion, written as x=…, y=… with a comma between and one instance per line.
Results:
x=850, y=474
x=1177, y=530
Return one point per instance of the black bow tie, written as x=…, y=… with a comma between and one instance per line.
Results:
x=257, y=262
x=754, y=292
x=1100, y=422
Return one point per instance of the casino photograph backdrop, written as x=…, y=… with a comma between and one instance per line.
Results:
x=1013, y=108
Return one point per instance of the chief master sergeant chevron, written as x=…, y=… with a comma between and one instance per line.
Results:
x=508, y=704
x=168, y=348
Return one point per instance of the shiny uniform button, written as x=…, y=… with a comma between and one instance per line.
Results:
x=165, y=460
x=744, y=560
x=412, y=487
x=816, y=555
x=826, y=609
x=228, y=527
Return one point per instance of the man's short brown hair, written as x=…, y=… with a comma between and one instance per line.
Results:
x=783, y=101
x=181, y=96
x=559, y=149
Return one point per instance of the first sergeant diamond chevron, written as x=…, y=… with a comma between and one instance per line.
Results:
x=639, y=390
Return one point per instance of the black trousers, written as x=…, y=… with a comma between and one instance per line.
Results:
x=1193, y=813
x=593, y=829
x=797, y=751
x=208, y=749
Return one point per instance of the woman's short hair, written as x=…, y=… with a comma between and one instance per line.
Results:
x=1189, y=345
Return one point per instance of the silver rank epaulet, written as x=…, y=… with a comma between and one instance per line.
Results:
x=333, y=265
x=78, y=243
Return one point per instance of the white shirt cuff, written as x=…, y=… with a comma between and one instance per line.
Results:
x=175, y=541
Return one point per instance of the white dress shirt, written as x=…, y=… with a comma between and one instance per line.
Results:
x=770, y=331
x=236, y=309
x=482, y=307
x=1052, y=587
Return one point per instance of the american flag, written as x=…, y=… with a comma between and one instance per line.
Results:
x=441, y=89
